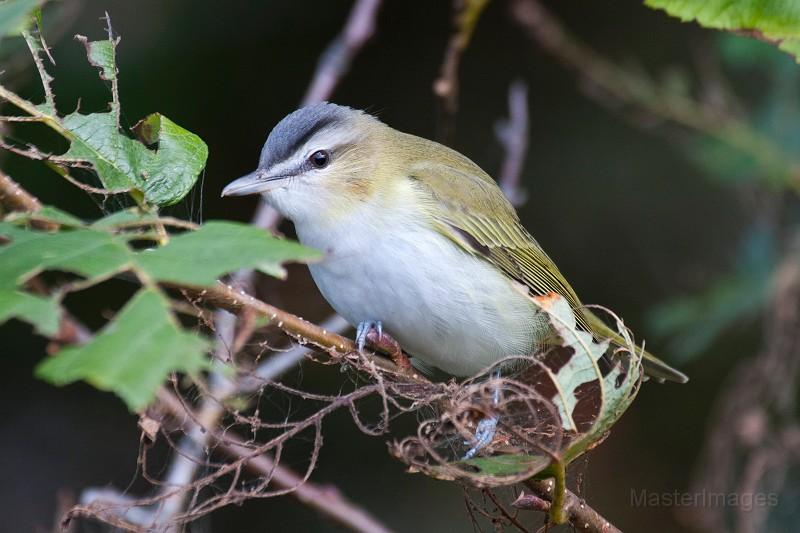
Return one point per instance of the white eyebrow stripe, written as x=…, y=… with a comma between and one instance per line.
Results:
x=329, y=138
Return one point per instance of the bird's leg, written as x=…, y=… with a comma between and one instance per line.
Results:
x=371, y=331
x=487, y=427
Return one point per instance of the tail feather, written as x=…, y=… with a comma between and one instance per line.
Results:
x=653, y=366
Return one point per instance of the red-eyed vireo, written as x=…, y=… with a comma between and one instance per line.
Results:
x=417, y=238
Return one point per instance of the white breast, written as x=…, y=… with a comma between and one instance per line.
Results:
x=449, y=309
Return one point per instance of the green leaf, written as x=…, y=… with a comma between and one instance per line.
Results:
x=172, y=170
x=551, y=409
x=124, y=217
x=42, y=313
x=507, y=465
x=133, y=355
x=91, y=254
x=45, y=214
x=777, y=21
x=200, y=257
x=15, y=15
x=103, y=55
x=194, y=257
x=161, y=174
x=164, y=175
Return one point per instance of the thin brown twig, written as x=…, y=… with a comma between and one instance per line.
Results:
x=507, y=515
x=15, y=197
x=326, y=500
x=335, y=62
x=467, y=14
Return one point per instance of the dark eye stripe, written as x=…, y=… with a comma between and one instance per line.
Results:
x=321, y=124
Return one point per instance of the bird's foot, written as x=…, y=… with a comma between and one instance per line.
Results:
x=484, y=434
x=364, y=328
x=487, y=427
x=371, y=331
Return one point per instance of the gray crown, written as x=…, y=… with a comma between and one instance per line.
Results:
x=298, y=127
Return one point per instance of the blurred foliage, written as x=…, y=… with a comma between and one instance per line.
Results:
x=776, y=21
x=693, y=323
x=15, y=15
x=774, y=114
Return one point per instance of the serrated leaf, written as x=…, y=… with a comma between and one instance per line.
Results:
x=42, y=313
x=777, y=21
x=194, y=257
x=164, y=175
x=220, y=247
x=15, y=15
x=171, y=171
x=91, y=254
x=102, y=54
x=133, y=355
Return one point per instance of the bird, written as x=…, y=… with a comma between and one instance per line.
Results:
x=419, y=242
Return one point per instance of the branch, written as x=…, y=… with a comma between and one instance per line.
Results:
x=578, y=513
x=13, y=196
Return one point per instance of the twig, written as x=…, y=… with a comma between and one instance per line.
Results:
x=513, y=135
x=467, y=14
x=188, y=456
x=336, y=60
x=15, y=197
x=35, y=45
x=327, y=501
x=580, y=515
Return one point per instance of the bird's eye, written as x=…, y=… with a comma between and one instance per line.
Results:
x=319, y=159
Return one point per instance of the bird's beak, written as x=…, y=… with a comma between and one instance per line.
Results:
x=253, y=183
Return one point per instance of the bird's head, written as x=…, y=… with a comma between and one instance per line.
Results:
x=318, y=160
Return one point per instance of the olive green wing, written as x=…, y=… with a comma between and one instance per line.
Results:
x=466, y=205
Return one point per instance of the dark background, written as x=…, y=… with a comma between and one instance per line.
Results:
x=628, y=219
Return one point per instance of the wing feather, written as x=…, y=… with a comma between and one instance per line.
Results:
x=483, y=223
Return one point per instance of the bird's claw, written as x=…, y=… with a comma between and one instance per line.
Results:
x=363, y=330
x=484, y=434
x=487, y=427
